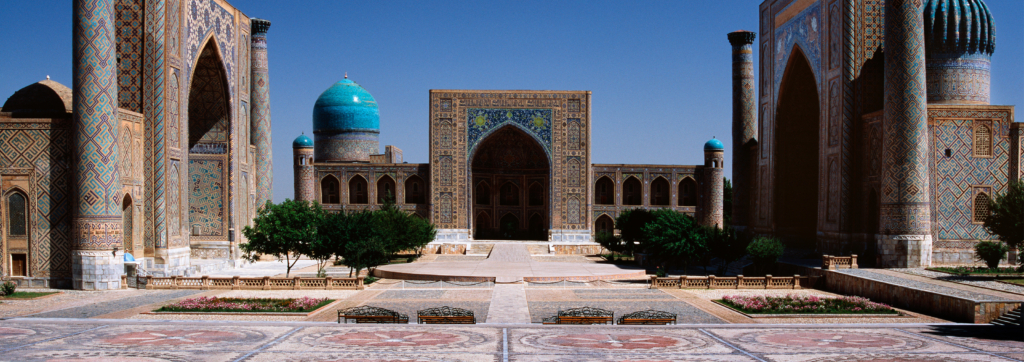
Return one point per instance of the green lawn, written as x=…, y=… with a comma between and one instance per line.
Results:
x=1014, y=281
x=977, y=270
x=27, y=295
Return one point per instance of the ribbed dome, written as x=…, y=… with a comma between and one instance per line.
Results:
x=959, y=26
x=345, y=106
x=714, y=145
x=302, y=141
x=45, y=96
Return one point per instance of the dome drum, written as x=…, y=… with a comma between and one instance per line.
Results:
x=959, y=78
x=354, y=146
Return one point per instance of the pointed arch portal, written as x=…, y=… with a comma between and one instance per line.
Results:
x=797, y=138
x=513, y=168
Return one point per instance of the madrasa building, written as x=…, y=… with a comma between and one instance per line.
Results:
x=503, y=165
x=151, y=151
x=868, y=130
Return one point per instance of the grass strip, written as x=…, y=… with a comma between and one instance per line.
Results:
x=27, y=295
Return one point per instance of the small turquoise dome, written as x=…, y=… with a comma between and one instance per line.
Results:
x=714, y=145
x=345, y=106
x=302, y=141
x=958, y=26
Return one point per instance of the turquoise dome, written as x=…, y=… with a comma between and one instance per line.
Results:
x=958, y=26
x=302, y=141
x=714, y=145
x=345, y=106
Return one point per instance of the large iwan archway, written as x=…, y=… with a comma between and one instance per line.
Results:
x=796, y=154
x=209, y=134
x=517, y=167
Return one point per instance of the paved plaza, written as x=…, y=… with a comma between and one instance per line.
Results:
x=125, y=340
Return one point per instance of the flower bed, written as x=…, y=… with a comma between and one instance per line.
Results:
x=246, y=305
x=978, y=270
x=794, y=304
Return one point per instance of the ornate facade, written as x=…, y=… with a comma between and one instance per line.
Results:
x=150, y=152
x=875, y=135
x=503, y=165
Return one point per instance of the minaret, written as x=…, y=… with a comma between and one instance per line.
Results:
x=302, y=159
x=744, y=123
x=713, y=192
x=96, y=241
x=905, y=222
x=260, y=103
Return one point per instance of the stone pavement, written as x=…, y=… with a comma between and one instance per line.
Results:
x=508, y=304
x=31, y=339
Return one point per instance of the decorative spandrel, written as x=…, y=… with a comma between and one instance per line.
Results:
x=482, y=121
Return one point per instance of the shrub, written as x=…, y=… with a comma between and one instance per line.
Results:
x=610, y=242
x=674, y=239
x=1006, y=215
x=765, y=251
x=369, y=279
x=990, y=252
x=8, y=288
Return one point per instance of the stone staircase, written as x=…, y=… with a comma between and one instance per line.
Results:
x=1011, y=318
x=479, y=249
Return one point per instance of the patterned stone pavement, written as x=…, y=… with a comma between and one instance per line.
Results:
x=35, y=339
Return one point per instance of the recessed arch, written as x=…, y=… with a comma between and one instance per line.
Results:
x=604, y=223
x=537, y=226
x=536, y=194
x=385, y=189
x=604, y=191
x=209, y=111
x=127, y=224
x=508, y=194
x=632, y=189
x=483, y=193
x=687, y=192
x=330, y=190
x=357, y=191
x=659, y=192
x=509, y=225
x=796, y=153
x=415, y=190
x=17, y=209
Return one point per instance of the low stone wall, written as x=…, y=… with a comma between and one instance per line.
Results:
x=943, y=306
x=458, y=249
x=564, y=249
x=39, y=282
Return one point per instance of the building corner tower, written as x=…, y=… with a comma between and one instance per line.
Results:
x=260, y=104
x=905, y=239
x=713, y=192
x=302, y=160
x=97, y=254
x=744, y=124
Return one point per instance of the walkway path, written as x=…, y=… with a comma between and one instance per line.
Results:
x=932, y=285
x=508, y=304
x=30, y=339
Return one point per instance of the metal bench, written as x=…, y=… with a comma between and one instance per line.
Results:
x=649, y=316
x=584, y=315
x=445, y=315
x=371, y=314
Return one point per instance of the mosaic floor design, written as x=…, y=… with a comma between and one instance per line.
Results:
x=544, y=303
x=31, y=339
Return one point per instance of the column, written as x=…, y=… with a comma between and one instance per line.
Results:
x=744, y=123
x=905, y=240
x=97, y=262
x=260, y=104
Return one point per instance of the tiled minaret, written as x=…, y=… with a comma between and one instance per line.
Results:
x=905, y=222
x=97, y=261
x=713, y=192
x=260, y=103
x=744, y=123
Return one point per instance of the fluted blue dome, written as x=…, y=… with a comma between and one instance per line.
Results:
x=963, y=26
x=345, y=106
x=302, y=141
x=714, y=145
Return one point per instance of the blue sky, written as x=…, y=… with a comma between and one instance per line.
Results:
x=659, y=70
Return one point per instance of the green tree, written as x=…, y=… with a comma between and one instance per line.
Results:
x=674, y=239
x=400, y=231
x=631, y=225
x=990, y=252
x=1006, y=215
x=283, y=230
x=765, y=252
x=726, y=245
x=609, y=241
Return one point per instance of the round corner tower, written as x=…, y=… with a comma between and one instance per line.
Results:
x=302, y=161
x=959, y=39
x=713, y=193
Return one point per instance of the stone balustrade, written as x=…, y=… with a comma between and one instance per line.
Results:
x=832, y=262
x=737, y=282
x=240, y=283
